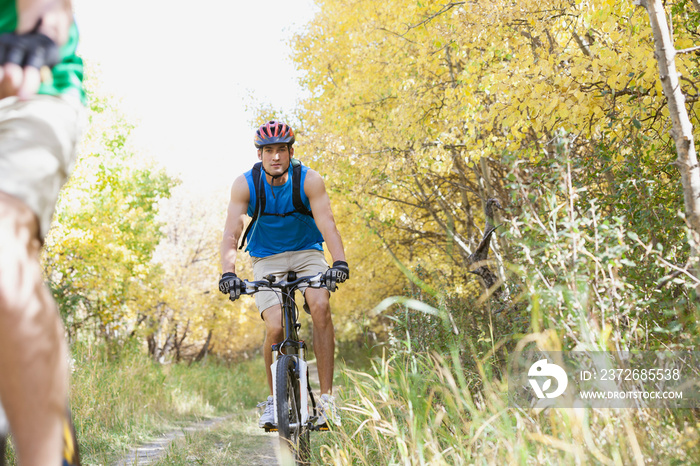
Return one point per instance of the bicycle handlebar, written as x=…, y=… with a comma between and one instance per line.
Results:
x=252, y=287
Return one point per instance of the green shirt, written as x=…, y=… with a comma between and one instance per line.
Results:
x=68, y=74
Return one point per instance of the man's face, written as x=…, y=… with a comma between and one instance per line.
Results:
x=275, y=158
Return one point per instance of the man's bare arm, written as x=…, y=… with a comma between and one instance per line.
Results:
x=235, y=221
x=315, y=190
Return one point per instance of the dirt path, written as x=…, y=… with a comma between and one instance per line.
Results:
x=151, y=452
x=234, y=437
x=253, y=446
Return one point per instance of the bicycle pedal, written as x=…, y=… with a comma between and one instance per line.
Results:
x=270, y=429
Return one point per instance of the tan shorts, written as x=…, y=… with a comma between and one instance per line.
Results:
x=38, y=140
x=304, y=263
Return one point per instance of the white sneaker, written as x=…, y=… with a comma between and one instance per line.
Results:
x=268, y=416
x=328, y=411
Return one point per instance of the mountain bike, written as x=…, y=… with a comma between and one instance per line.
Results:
x=71, y=455
x=295, y=408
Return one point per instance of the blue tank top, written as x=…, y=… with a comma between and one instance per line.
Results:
x=272, y=234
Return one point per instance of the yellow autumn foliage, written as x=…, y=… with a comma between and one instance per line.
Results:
x=406, y=98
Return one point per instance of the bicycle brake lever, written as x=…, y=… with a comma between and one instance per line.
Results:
x=316, y=282
x=248, y=288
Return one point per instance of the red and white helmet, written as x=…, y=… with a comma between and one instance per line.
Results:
x=274, y=132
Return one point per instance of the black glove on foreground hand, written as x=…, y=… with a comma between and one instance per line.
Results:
x=336, y=274
x=232, y=285
x=31, y=49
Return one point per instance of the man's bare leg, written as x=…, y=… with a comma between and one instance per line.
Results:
x=33, y=351
x=324, y=336
x=273, y=335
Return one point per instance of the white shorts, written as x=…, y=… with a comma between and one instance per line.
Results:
x=304, y=263
x=38, y=141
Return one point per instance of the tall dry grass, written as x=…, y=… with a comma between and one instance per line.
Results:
x=579, y=277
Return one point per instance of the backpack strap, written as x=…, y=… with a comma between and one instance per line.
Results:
x=296, y=189
x=259, y=200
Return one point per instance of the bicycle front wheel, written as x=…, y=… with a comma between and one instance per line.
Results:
x=294, y=437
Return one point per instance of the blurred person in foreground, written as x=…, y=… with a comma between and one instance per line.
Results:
x=41, y=117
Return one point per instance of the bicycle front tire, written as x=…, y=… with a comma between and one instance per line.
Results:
x=293, y=435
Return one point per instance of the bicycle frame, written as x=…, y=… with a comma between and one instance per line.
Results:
x=291, y=345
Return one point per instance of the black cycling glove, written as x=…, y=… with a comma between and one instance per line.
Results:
x=336, y=274
x=231, y=285
x=31, y=49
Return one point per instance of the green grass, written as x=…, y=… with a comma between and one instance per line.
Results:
x=121, y=400
x=406, y=408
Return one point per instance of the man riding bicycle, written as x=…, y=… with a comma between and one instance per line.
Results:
x=286, y=234
x=40, y=123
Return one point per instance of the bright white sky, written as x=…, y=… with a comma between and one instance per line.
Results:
x=189, y=75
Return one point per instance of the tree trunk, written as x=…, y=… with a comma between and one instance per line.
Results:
x=478, y=259
x=205, y=349
x=682, y=131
